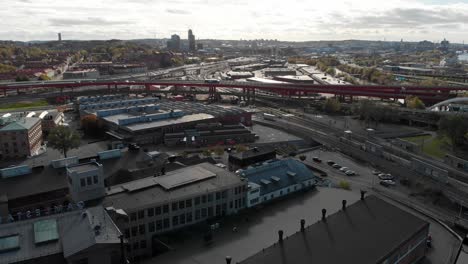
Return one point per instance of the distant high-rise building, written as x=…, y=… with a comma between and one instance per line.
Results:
x=199, y=46
x=191, y=40
x=445, y=45
x=59, y=36
x=174, y=43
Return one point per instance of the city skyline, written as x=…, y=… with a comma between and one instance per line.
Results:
x=296, y=20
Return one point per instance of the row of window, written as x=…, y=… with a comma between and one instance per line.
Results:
x=88, y=181
x=164, y=209
x=185, y=218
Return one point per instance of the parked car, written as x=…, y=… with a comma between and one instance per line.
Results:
x=220, y=165
x=350, y=173
x=344, y=169
x=387, y=183
x=133, y=146
x=386, y=177
x=330, y=162
x=336, y=166
x=316, y=159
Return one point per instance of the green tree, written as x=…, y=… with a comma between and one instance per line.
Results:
x=455, y=128
x=332, y=105
x=63, y=139
x=302, y=157
x=6, y=68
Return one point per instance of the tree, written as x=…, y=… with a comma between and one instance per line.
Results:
x=90, y=125
x=332, y=105
x=413, y=102
x=20, y=78
x=302, y=157
x=455, y=128
x=44, y=77
x=62, y=138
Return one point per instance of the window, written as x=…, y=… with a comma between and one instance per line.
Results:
x=295, y=187
x=281, y=192
x=141, y=214
x=133, y=217
x=134, y=231
x=188, y=203
x=82, y=182
x=271, y=196
x=218, y=210
x=174, y=206
x=158, y=210
x=243, y=201
x=175, y=220
x=203, y=199
x=135, y=245
x=182, y=204
x=158, y=225
x=218, y=196
x=166, y=223
x=254, y=201
x=141, y=228
x=88, y=181
x=254, y=191
x=151, y=227
x=210, y=197
x=235, y=191
x=224, y=194
x=95, y=179
x=189, y=217
x=197, y=200
x=182, y=219
x=143, y=244
x=197, y=214
x=210, y=211
x=127, y=232
x=230, y=204
x=150, y=212
x=203, y=212
x=165, y=209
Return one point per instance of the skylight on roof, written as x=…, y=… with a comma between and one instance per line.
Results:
x=8, y=243
x=45, y=231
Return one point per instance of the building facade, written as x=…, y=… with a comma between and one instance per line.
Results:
x=174, y=43
x=157, y=205
x=21, y=138
x=276, y=179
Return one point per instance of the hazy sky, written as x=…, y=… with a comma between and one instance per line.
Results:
x=235, y=19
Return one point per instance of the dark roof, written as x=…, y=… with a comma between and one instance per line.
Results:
x=256, y=151
x=366, y=232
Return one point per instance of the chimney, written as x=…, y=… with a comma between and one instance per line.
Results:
x=362, y=195
x=324, y=213
x=302, y=225
x=344, y=205
x=228, y=259
x=280, y=236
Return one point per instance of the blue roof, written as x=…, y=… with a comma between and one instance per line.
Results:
x=278, y=174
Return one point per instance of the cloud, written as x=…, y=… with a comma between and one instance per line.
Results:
x=91, y=21
x=177, y=11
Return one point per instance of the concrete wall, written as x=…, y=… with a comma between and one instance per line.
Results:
x=429, y=170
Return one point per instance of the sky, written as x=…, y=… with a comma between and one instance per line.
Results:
x=294, y=20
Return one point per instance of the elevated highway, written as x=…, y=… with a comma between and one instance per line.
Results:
x=430, y=95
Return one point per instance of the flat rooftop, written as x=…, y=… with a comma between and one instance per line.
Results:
x=368, y=231
x=168, y=122
x=80, y=168
x=175, y=185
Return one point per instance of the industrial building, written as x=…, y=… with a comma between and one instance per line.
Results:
x=369, y=231
x=155, y=205
x=210, y=134
x=19, y=137
x=275, y=179
x=241, y=160
x=81, y=74
x=295, y=79
x=75, y=235
x=147, y=120
x=272, y=72
x=239, y=74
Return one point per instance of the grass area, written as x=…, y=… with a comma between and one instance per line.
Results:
x=23, y=105
x=433, y=146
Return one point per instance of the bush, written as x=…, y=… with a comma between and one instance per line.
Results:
x=302, y=157
x=344, y=185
